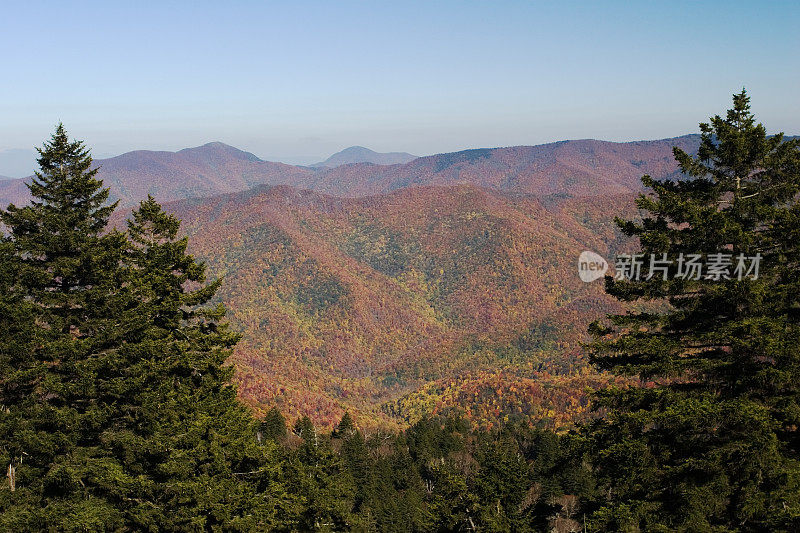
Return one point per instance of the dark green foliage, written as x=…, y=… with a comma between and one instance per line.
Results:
x=116, y=408
x=273, y=427
x=305, y=429
x=465, y=156
x=63, y=283
x=438, y=475
x=316, y=475
x=381, y=248
x=346, y=426
x=712, y=444
x=316, y=291
x=540, y=336
x=320, y=295
x=502, y=483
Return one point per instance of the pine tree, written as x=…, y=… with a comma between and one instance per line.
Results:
x=193, y=444
x=65, y=292
x=346, y=426
x=117, y=408
x=16, y=368
x=711, y=441
x=318, y=477
x=304, y=428
x=502, y=483
x=356, y=458
x=273, y=427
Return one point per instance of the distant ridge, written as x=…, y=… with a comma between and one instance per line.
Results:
x=585, y=167
x=199, y=172
x=579, y=168
x=359, y=154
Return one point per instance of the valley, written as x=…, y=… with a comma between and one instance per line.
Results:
x=397, y=305
x=445, y=284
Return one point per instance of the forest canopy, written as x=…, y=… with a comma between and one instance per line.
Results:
x=118, y=411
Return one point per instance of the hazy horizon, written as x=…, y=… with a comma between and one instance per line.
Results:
x=16, y=158
x=297, y=83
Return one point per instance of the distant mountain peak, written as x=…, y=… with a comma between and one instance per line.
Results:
x=360, y=154
x=217, y=147
x=357, y=148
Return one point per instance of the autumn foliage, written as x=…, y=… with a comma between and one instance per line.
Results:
x=378, y=305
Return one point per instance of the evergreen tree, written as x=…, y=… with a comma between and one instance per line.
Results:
x=116, y=407
x=346, y=426
x=711, y=442
x=399, y=495
x=304, y=428
x=502, y=483
x=273, y=427
x=356, y=458
x=191, y=442
x=17, y=368
x=319, y=478
x=67, y=286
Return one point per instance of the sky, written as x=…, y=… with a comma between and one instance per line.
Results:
x=297, y=81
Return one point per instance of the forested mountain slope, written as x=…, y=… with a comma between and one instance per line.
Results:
x=572, y=168
x=410, y=302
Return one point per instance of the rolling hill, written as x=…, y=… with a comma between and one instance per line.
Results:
x=425, y=299
x=568, y=168
x=207, y=170
x=574, y=168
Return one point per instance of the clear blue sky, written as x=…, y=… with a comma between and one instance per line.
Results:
x=297, y=81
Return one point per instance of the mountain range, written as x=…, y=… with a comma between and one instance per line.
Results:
x=443, y=283
x=572, y=168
